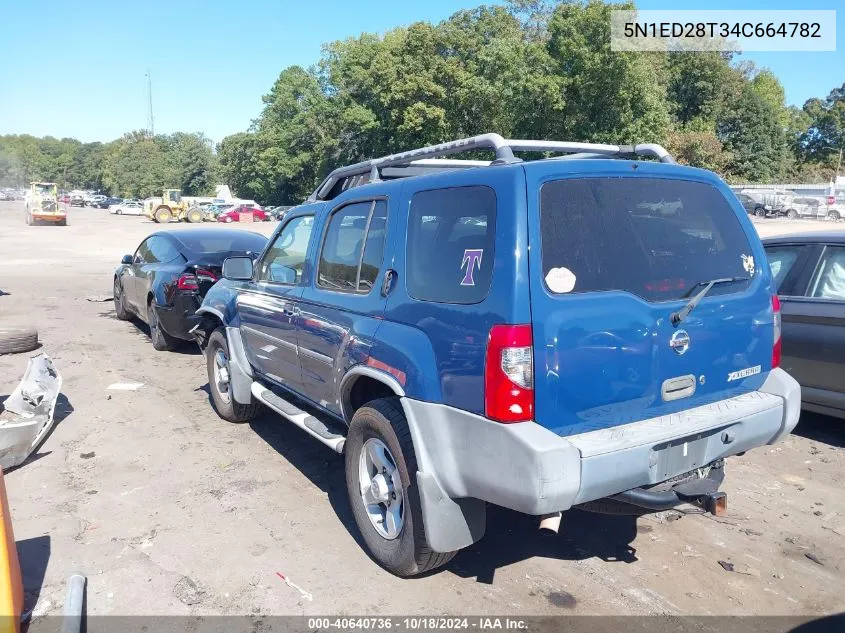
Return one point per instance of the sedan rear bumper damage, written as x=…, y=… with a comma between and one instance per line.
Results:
x=27, y=414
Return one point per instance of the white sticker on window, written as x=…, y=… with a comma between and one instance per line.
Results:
x=748, y=263
x=560, y=280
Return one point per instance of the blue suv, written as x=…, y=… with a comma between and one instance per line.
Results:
x=591, y=330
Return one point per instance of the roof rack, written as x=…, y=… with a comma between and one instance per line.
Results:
x=412, y=165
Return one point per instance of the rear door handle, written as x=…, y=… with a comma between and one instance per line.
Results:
x=290, y=309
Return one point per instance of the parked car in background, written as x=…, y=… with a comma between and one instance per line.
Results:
x=806, y=207
x=809, y=272
x=127, y=208
x=212, y=211
x=93, y=201
x=751, y=206
x=773, y=201
x=234, y=214
x=107, y=202
x=612, y=366
x=64, y=198
x=76, y=200
x=165, y=280
x=279, y=212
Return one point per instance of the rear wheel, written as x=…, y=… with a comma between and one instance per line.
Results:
x=381, y=469
x=219, y=381
x=792, y=214
x=833, y=215
x=760, y=212
x=162, y=341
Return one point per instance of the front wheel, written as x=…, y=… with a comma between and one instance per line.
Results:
x=833, y=215
x=760, y=212
x=219, y=381
x=162, y=215
x=120, y=302
x=792, y=214
x=381, y=469
x=194, y=216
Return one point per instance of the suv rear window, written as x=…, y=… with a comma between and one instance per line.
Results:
x=450, y=244
x=659, y=239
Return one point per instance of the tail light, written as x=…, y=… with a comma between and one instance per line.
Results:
x=190, y=282
x=509, y=374
x=776, y=347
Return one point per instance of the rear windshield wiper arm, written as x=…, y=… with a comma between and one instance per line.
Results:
x=683, y=313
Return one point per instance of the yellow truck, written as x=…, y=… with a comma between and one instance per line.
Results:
x=42, y=204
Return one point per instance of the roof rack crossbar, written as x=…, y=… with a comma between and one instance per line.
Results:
x=504, y=149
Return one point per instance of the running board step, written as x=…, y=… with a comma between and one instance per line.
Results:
x=304, y=420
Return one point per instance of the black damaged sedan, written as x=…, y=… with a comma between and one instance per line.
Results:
x=164, y=281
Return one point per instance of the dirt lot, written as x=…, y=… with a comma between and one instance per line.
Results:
x=170, y=510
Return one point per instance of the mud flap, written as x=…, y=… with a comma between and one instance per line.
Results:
x=450, y=524
x=28, y=412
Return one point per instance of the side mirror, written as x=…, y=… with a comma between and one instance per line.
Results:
x=237, y=268
x=127, y=259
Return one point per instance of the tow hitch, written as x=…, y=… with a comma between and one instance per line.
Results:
x=702, y=492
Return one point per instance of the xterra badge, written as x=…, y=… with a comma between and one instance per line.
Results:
x=744, y=373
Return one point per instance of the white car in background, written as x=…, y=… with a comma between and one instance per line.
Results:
x=127, y=208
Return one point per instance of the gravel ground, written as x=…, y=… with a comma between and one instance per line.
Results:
x=170, y=510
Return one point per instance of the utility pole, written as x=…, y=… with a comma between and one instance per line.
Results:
x=151, y=120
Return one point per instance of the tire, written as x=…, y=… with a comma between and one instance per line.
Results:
x=163, y=215
x=162, y=341
x=792, y=214
x=407, y=552
x=120, y=309
x=194, y=216
x=17, y=339
x=221, y=398
x=63, y=223
x=118, y=212
x=228, y=220
x=834, y=215
x=760, y=212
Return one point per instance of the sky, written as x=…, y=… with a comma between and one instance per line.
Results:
x=78, y=69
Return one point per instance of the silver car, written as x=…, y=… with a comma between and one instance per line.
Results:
x=806, y=207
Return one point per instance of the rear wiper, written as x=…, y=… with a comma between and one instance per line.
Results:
x=683, y=313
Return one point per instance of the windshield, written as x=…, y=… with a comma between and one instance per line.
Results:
x=655, y=238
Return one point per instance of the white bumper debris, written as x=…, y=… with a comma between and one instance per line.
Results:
x=28, y=413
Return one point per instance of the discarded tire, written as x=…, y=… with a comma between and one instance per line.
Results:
x=17, y=339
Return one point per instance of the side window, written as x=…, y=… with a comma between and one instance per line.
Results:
x=143, y=255
x=163, y=250
x=830, y=280
x=353, y=247
x=285, y=258
x=451, y=234
x=373, y=247
x=781, y=260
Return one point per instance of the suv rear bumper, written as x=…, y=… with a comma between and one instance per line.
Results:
x=526, y=467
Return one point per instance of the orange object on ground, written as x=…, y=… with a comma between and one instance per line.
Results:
x=11, y=584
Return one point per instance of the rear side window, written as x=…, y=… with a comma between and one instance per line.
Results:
x=830, y=282
x=353, y=247
x=659, y=239
x=781, y=261
x=451, y=233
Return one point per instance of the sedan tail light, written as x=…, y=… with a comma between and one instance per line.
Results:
x=190, y=282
